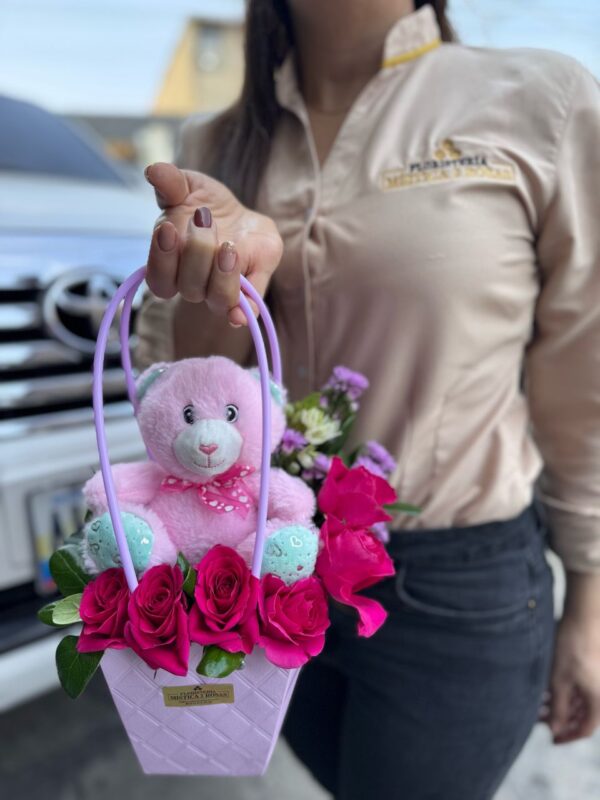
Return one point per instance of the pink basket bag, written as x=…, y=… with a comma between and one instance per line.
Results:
x=194, y=725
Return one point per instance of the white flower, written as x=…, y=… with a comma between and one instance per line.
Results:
x=318, y=426
x=305, y=458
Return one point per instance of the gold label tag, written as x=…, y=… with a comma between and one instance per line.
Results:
x=206, y=694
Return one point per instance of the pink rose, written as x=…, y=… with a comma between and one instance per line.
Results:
x=353, y=498
x=292, y=620
x=351, y=560
x=103, y=609
x=226, y=595
x=157, y=629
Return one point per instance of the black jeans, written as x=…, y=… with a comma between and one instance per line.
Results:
x=439, y=702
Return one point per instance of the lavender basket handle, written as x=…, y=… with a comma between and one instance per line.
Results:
x=125, y=293
x=124, y=328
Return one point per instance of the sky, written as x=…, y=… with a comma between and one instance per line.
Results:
x=108, y=56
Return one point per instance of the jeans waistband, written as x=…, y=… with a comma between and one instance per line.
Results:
x=485, y=538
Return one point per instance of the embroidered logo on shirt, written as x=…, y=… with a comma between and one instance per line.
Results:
x=447, y=164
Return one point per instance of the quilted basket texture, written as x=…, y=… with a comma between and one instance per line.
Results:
x=225, y=739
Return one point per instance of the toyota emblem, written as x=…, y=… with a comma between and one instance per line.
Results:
x=74, y=305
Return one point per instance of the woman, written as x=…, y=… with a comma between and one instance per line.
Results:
x=431, y=210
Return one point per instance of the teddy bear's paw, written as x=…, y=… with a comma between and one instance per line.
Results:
x=100, y=546
x=291, y=553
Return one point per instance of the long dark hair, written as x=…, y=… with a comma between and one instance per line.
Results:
x=240, y=139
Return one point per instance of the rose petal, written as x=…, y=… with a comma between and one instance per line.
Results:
x=225, y=602
x=292, y=620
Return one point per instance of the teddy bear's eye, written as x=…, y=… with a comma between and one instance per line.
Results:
x=231, y=413
x=188, y=415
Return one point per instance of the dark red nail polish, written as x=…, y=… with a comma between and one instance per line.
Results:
x=202, y=217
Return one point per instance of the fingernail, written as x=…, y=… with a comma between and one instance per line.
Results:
x=202, y=217
x=237, y=313
x=147, y=172
x=166, y=237
x=227, y=256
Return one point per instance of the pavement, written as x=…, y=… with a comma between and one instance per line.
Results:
x=57, y=749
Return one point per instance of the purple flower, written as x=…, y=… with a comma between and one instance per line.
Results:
x=292, y=440
x=353, y=384
x=319, y=469
x=322, y=464
x=377, y=453
x=308, y=475
x=381, y=531
x=368, y=463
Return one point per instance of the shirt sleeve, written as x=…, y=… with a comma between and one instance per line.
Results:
x=191, y=142
x=562, y=361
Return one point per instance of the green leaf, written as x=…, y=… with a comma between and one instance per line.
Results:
x=312, y=400
x=404, y=507
x=75, y=669
x=189, y=574
x=66, y=611
x=61, y=613
x=218, y=663
x=67, y=571
x=183, y=563
x=352, y=456
x=189, y=583
x=45, y=614
x=334, y=446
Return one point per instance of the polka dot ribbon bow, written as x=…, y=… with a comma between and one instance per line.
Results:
x=222, y=494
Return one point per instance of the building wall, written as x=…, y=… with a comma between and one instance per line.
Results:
x=206, y=70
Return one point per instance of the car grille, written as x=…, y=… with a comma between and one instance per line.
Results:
x=39, y=374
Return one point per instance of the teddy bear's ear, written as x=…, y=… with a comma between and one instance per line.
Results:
x=278, y=392
x=147, y=378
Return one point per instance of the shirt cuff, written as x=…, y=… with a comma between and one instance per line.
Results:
x=574, y=534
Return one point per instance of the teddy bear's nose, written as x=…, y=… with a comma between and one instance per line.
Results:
x=208, y=449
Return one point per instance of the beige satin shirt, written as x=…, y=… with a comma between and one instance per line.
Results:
x=449, y=249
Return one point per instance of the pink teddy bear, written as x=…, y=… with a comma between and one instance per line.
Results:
x=200, y=419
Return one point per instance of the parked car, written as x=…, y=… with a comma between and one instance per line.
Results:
x=72, y=226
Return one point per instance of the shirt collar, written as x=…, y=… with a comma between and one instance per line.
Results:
x=410, y=37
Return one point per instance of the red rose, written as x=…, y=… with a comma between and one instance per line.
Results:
x=351, y=560
x=293, y=620
x=157, y=629
x=353, y=498
x=103, y=609
x=226, y=595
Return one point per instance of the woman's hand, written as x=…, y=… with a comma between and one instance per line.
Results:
x=574, y=701
x=204, y=239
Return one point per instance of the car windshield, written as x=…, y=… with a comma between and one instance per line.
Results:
x=32, y=140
